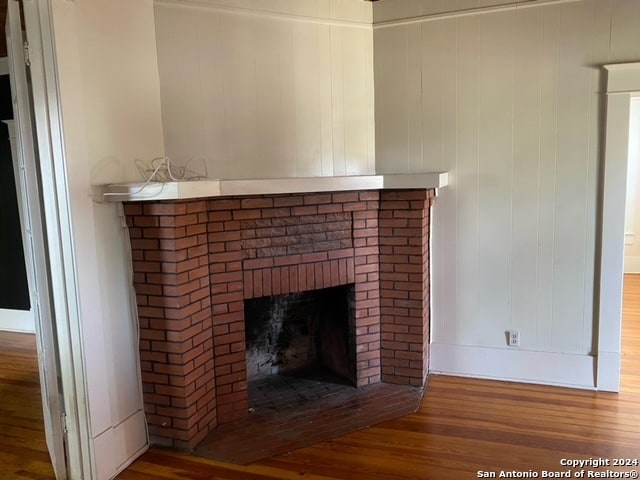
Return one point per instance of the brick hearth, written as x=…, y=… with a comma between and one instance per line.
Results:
x=196, y=262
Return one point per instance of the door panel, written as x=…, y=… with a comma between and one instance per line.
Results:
x=26, y=166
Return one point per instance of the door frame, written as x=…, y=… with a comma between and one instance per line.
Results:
x=623, y=84
x=57, y=223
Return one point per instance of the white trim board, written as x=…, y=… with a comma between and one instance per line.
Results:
x=17, y=321
x=275, y=15
x=468, y=12
x=567, y=370
x=623, y=84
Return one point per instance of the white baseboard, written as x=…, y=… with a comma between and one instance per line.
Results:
x=631, y=264
x=567, y=370
x=112, y=445
x=17, y=321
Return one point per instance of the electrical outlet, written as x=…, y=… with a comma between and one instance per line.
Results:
x=513, y=338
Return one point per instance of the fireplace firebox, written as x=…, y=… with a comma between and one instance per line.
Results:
x=307, y=334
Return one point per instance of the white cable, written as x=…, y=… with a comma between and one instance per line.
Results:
x=163, y=171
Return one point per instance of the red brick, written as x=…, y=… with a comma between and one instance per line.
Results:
x=330, y=208
x=288, y=201
x=302, y=278
x=276, y=212
x=314, y=257
x=146, y=267
x=220, y=216
x=284, y=280
x=258, y=202
x=258, y=263
x=266, y=283
x=199, y=229
x=231, y=378
x=316, y=199
x=293, y=279
x=345, y=197
x=326, y=274
x=131, y=209
x=288, y=260
x=370, y=195
x=304, y=210
x=257, y=283
x=246, y=214
x=224, y=204
x=354, y=206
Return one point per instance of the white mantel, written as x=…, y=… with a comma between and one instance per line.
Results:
x=137, y=192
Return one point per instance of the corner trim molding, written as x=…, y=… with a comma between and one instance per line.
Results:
x=210, y=5
x=469, y=12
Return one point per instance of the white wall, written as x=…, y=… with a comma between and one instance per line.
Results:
x=110, y=103
x=632, y=211
x=508, y=102
x=263, y=95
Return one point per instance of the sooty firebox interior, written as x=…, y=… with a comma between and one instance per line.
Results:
x=308, y=335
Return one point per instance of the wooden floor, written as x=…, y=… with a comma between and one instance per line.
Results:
x=463, y=426
x=23, y=451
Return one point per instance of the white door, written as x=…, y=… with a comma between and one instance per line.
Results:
x=29, y=198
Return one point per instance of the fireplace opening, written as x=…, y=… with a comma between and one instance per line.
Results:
x=308, y=335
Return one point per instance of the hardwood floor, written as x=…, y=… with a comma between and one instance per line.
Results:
x=462, y=426
x=23, y=450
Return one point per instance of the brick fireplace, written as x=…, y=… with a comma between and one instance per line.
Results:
x=196, y=262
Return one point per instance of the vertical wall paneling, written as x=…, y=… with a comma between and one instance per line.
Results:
x=495, y=175
x=306, y=59
x=392, y=103
x=281, y=91
x=337, y=101
x=600, y=15
x=179, y=112
x=547, y=138
x=522, y=219
x=212, y=86
x=414, y=90
x=325, y=76
x=357, y=74
x=432, y=93
x=272, y=80
x=241, y=96
x=469, y=61
x=624, y=43
x=526, y=171
x=571, y=173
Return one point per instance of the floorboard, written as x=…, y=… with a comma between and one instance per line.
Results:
x=463, y=426
x=23, y=449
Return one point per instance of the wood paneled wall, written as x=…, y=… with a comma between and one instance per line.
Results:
x=509, y=102
x=505, y=96
x=260, y=94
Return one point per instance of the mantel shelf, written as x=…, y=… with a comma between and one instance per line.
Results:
x=153, y=191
